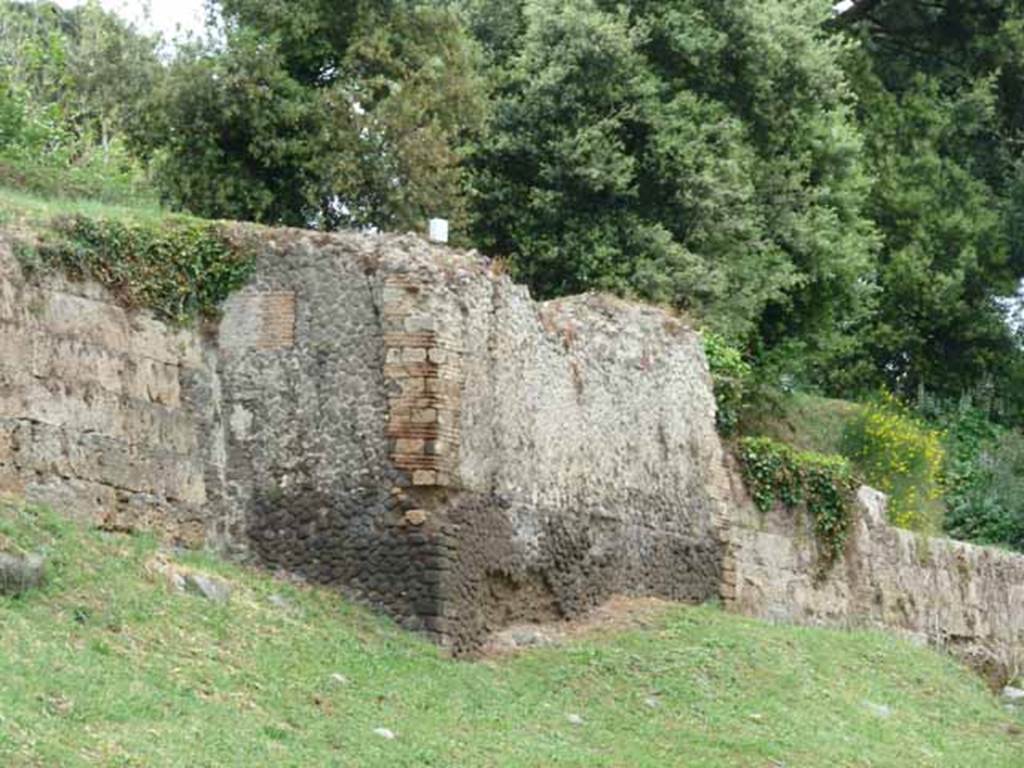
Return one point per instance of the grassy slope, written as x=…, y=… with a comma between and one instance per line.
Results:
x=807, y=422
x=19, y=208
x=107, y=667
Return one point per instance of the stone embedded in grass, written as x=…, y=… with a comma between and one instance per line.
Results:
x=574, y=719
x=212, y=589
x=879, y=710
x=1013, y=695
x=280, y=601
x=526, y=637
x=19, y=574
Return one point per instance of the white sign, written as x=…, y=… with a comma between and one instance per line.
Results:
x=439, y=230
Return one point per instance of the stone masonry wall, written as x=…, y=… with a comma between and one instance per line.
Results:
x=456, y=453
x=309, y=485
x=396, y=419
x=96, y=416
x=966, y=599
x=562, y=452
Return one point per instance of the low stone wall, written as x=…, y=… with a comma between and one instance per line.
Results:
x=95, y=410
x=966, y=599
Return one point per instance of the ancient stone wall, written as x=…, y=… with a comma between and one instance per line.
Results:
x=397, y=419
x=564, y=451
x=309, y=484
x=456, y=452
x=96, y=415
x=966, y=599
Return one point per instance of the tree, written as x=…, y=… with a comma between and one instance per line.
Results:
x=71, y=83
x=699, y=153
x=360, y=125
x=938, y=85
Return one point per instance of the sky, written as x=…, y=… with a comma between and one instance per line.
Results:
x=155, y=16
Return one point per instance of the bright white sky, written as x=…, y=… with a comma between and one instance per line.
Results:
x=172, y=17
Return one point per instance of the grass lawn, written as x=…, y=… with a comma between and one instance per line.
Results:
x=108, y=666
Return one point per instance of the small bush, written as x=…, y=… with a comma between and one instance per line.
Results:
x=730, y=374
x=984, y=480
x=178, y=267
x=902, y=456
x=12, y=116
x=824, y=485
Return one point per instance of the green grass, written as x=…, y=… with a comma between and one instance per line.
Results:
x=107, y=666
x=807, y=422
x=22, y=210
x=66, y=174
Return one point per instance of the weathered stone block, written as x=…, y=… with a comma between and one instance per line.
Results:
x=414, y=355
x=20, y=573
x=424, y=477
x=409, y=446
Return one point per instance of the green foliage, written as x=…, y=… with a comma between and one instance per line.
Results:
x=902, y=456
x=70, y=83
x=730, y=374
x=362, y=123
x=946, y=251
x=178, y=267
x=12, y=116
x=312, y=36
x=844, y=202
x=654, y=149
x=807, y=422
x=230, y=135
x=415, y=75
x=113, y=176
x=984, y=480
x=779, y=474
x=939, y=86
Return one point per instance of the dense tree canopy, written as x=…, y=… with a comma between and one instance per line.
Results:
x=71, y=83
x=939, y=88
x=700, y=153
x=320, y=114
x=844, y=199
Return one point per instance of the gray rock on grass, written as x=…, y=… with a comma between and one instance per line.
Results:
x=1013, y=695
x=19, y=573
x=878, y=710
x=214, y=590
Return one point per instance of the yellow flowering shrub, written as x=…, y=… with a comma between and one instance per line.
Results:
x=901, y=456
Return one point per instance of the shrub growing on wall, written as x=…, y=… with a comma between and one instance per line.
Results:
x=779, y=474
x=178, y=267
x=730, y=374
x=901, y=456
